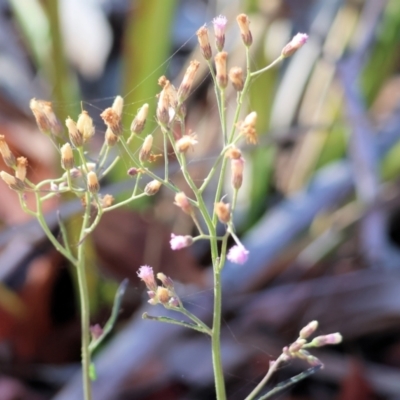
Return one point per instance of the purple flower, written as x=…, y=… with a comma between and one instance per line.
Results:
x=178, y=242
x=146, y=274
x=238, y=254
x=219, y=31
x=298, y=41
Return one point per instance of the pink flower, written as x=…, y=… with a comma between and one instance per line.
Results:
x=219, y=31
x=146, y=274
x=238, y=254
x=178, y=242
x=298, y=41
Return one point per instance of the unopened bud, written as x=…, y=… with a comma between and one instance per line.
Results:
x=133, y=171
x=333, y=338
x=297, y=345
x=183, y=203
x=13, y=182
x=85, y=126
x=223, y=212
x=237, y=166
x=166, y=281
x=140, y=120
x=187, y=81
x=236, y=77
x=173, y=302
x=107, y=200
x=308, y=330
x=220, y=66
x=8, y=156
x=248, y=128
x=112, y=120
x=186, y=142
x=110, y=138
x=219, y=31
x=296, y=43
x=202, y=36
x=243, y=22
x=45, y=118
x=75, y=135
x=162, y=111
x=96, y=331
x=92, y=182
x=152, y=188
x=146, y=148
x=233, y=153
x=67, y=157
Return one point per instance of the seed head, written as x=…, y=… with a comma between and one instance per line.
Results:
x=236, y=77
x=107, y=200
x=219, y=31
x=13, y=182
x=140, y=120
x=8, y=156
x=92, y=182
x=248, y=128
x=146, y=148
x=67, y=157
x=202, y=36
x=163, y=107
x=75, y=135
x=85, y=126
x=187, y=81
x=22, y=164
x=220, y=66
x=223, y=212
x=118, y=106
x=243, y=22
x=186, y=142
x=296, y=43
x=45, y=118
x=112, y=120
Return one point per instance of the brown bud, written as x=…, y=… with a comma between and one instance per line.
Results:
x=92, y=182
x=248, y=128
x=237, y=166
x=187, y=81
x=107, y=200
x=202, y=36
x=85, y=126
x=220, y=66
x=8, y=156
x=133, y=171
x=243, y=22
x=223, y=212
x=162, y=111
x=109, y=138
x=75, y=135
x=236, y=77
x=152, y=188
x=163, y=295
x=45, y=118
x=67, y=157
x=140, y=120
x=233, y=153
x=22, y=164
x=186, y=142
x=112, y=120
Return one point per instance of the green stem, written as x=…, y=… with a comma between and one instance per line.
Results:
x=174, y=322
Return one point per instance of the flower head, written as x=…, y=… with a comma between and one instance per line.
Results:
x=238, y=254
x=178, y=242
x=146, y=274
x=298, y=41
x=219, y=31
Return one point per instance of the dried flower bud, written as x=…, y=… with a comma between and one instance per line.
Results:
x=187, y=81
x=8, y=156
x=13, y=182
x=109, y=138
x=75, y=135
x=67, y=157
x=118, y=106
x=243, y=22
x=219, y=31
x=223, y=212
x=133, y=171
x=166, y=281
x=296, y=43
x=178, y=242
x=112, y=120
x=162, y=111
x=333, y=338
x=45, y=118
x=146, y=274
x=22, y=164
x=146, y=148
x=220, y=66
x=202, y=36
x=85, y=126
x=183, y=203
x=92, y=182
x=163, y=295
x=233, y=153
x=308, y=330
x=96, y=331
x=140, y=120
x=186, y=142
x=248, y=128
x=236, y=77
x=152, y=188
x=237, y=166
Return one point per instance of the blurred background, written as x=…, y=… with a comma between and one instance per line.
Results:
x=319, y=210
